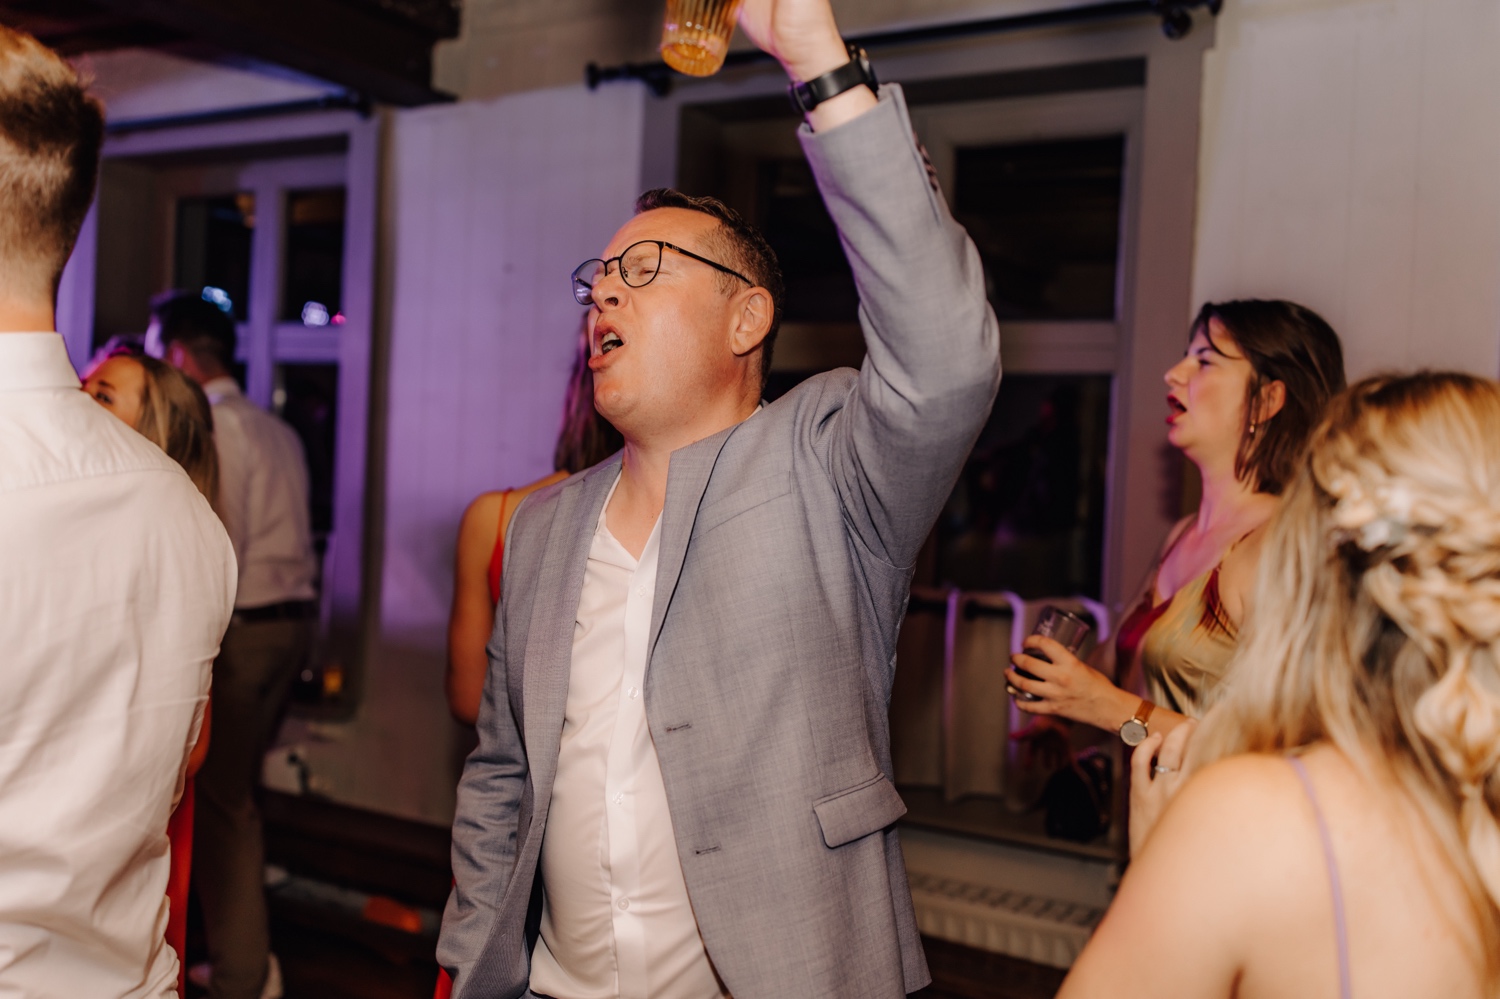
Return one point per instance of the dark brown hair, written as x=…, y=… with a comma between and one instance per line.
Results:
x=741, y=246
x=50, y=134
x=586, y=438
x=1284, y=342
x=200, y=327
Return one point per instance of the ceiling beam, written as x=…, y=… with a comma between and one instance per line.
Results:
x=387, y=58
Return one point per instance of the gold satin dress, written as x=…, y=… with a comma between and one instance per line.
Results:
x=1184, y=643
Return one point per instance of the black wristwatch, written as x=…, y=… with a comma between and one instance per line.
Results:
x=856, y=72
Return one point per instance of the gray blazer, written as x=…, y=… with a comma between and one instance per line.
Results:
x=787, y=547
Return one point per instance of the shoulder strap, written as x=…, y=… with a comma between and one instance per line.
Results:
x=497, y=555
x=1340, y=927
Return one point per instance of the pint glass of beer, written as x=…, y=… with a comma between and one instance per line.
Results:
x=695, y=35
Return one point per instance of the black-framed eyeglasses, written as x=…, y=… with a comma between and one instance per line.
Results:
x=638, y=264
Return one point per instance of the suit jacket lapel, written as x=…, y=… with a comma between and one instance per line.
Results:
x=687, y=478
x=549, y=643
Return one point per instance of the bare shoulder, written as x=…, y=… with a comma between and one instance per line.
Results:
x=480, y=526
x=1241, y=823
x=1217, y=871
x=521, y=492
x=1239, y=787
x=484, y=508
x=1237, y=570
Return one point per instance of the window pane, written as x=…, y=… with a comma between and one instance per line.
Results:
x=819, y=283
x=213, y=246
x=1027, y=514
x=306, y=396
x=1046, y=219
x=314, y=278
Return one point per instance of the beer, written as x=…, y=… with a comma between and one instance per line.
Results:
x=695, y=35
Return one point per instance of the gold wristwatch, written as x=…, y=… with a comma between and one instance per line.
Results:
x=1134, y=731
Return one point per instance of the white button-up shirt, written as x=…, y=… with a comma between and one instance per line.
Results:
x=616, y=920
x=116, y=584
x=263, y=498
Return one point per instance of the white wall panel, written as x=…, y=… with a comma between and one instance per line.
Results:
x=491, y=205
x=1349, y=161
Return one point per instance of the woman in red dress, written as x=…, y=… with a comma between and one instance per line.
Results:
x=585, y=440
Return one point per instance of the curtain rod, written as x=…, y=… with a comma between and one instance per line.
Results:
x=1176, y=22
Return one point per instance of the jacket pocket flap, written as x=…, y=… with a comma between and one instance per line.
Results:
x=742, y=501
x=858, y=811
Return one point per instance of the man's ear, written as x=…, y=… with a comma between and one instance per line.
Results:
x=752, y=320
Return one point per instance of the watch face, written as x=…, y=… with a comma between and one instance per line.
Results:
x=1132, y=733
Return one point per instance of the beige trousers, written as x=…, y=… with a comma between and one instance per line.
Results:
x=252, y=680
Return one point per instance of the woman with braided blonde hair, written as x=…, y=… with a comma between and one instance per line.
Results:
x=1341, y=836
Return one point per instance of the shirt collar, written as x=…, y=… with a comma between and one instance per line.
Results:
x=221, y=388
x=32, y=361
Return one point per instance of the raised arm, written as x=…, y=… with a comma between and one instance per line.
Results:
x=932, y=361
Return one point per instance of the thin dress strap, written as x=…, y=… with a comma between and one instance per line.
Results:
x=1340, y=927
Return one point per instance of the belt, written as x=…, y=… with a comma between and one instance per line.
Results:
x=290, y=610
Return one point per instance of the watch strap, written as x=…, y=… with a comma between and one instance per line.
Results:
x=854, y=73
x=1133, y=730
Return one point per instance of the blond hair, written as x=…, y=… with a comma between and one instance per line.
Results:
x=1376, y=622
x=176, y=417
x=51, y=131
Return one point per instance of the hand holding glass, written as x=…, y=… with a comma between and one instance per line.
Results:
x=695, y=34
x=1063, y=627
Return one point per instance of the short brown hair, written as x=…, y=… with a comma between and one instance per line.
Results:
x=741, y=246
x=1284, y=342
x=51, y=131
x=202, y=328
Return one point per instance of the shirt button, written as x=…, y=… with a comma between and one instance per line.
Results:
x=619, y=797
x=640, y=591
x=624, y=904
x=634, y=693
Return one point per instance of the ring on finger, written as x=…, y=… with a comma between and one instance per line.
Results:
x=1158, y=768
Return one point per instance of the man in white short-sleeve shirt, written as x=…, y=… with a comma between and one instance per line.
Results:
x=116, y=583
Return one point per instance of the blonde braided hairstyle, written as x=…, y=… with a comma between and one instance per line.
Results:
x=1376, y=618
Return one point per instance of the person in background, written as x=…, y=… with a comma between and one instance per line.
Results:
x=165, y=406
x=116, y=584
x=1340, y=833
x=171, y=411
x=585, y=439
x=1241, y=404
x=263, y=498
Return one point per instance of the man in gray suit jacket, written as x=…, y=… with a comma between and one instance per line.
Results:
x=683, y=781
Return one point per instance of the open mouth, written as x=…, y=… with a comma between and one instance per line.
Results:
x=1174, y=409
x=609, y=342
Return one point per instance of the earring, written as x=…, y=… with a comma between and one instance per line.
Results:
x=1252, y=429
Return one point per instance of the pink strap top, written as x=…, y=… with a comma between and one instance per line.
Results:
x=1340, y=925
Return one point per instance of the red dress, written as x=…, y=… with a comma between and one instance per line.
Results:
x=444, y=983
x=180, y=836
